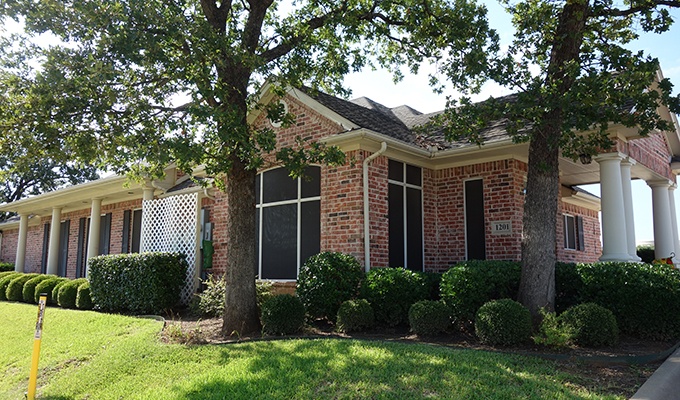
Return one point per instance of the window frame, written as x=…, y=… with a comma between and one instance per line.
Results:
x=404, y=185
x=578, y=232
x=298, y=201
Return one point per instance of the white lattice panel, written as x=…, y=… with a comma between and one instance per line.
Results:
x=169, y=225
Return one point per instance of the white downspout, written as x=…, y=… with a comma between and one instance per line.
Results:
x=367, y=238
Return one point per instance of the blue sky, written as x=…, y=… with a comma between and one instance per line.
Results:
x=414, y=91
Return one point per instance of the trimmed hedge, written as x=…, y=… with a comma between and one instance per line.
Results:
x=503, y=322
x=5, y=273
x=68, y=292
x=468, y=285
x=282, y=315
x=6, y=267
x=54, y=297
x=644, y=298
x=355, y=316
x=326, y=280
x=28, y=292
x=16, y=286
x=83, y=298
x=4, y=282
x=391, y=292
x=428, y=317
x=646, y=253
x=47, y=287
x=138, y=283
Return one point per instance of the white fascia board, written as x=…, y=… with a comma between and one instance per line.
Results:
x=88, y=190
x=584, y=200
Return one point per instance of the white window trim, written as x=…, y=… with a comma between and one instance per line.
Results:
x=565, y=232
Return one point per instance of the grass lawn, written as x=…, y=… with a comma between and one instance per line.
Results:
x=87, y=355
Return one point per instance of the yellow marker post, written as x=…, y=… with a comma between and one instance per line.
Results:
x=33, y=379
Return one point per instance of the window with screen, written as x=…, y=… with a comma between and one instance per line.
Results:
x=288, y=221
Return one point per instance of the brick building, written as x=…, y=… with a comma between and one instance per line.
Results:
x=402, y=199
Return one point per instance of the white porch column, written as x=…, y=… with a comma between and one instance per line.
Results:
x=53, y=250
x=663, y=228
x=614, y=237
x=674, y=220
x=93, y=237
x=148, y=191
x=628, y=207
x=20, y=262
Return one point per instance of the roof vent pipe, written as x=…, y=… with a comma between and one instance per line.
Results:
x=367, y=237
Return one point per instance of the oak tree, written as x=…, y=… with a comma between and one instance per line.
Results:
x=573, y=77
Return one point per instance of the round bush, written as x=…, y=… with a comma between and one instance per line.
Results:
x=28, y=292
x=282, y=315
x=83, y=298
x=355, y=316
x=591, y=325
x=325, y=281
x=210, y=302
x=6, y=267
x=5, y=273
x=16, y=286
x=47, y=287
x=503, y=322
x=54, y=299
x=391, y=292
x=66, y=296
x=428, y=317
x=4, y=282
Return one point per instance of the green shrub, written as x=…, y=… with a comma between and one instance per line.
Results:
x=428, y=317
x=645, y=299
x=591, y=325
x=503, y=322
x=83, y=298
x=47, y=287
x=468, y=285
x=6, y=273
x=4, y=282
x=210, y=302
x=139, y=283
x=355, y=316
x=552, y=332
x=6, y=267
x=432, y=281
x=646, y=253
x=282, y=315
x=391, y=292
x=28, y=292
x=568, y=286
x=325, y=281
x=16, y=286
x=66, y=297
x=54, y=298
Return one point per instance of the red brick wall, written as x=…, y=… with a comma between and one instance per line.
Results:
x=651, y=151
x=503, y=201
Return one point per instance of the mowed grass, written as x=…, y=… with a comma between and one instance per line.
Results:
x=87, y=355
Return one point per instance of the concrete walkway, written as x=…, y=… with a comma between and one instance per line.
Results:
x=664, y=382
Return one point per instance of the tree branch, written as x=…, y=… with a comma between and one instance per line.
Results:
x=615, y=12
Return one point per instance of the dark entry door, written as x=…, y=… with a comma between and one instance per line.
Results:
x=63, y=247
x=474, y=220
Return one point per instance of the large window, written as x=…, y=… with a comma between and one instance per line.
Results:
x=573, y=233
x=288, y=221
x=405, y=203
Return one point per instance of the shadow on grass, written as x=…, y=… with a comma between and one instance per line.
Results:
x=354, y=369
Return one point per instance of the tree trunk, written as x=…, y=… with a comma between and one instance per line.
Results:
x=240, y=311
x=539, y=241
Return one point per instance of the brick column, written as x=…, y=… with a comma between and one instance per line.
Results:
x=663, y=228
x=53, y=250
x=614, y=232
x=20, y=261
